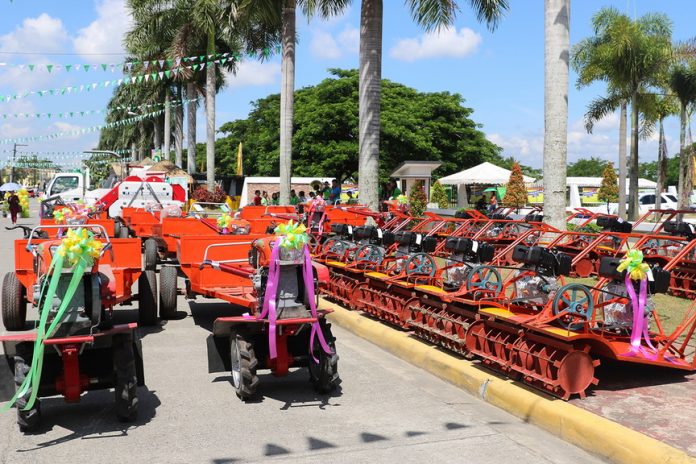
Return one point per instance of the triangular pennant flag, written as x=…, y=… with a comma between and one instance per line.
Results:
x=167, y=73
x=85, y=67
x=203, y=66
x=169, y=63
x=175, y=71
x=161, y=63
x=129, y=65
x=146, y=64
x=195, y=67
x=71, y=114
x=120, y=81
x=223, y=61
x=68, y=67
x=104, y=67
x=210, y=57
x=31, y=67
x=94, y=86
x=49, y=67
x=140, y=79
x=51, y=91
x=113, y=67
x=178, y=61
x=160, y=74
x=201, y=58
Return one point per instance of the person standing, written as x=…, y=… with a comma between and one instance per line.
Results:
x=303, y=198
x=265, y=201
x=335, y=196
x=294, y=199
x=257, y=198
x=326, y=192
x=493, y=203
x=15, y=207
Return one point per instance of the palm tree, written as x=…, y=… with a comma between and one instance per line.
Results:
x=682, y=82
x=630, y=56
x=656, y=109
x=431, y=14
x=556, y=51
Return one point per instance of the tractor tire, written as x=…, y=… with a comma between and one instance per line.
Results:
x=126, y=385
x=324, y=375
x=168, y=292
x=244, y=364
x=117, y=228
x=123, y=232
x=28, y=420
x=151, y=254
x=147, y=297
x=14, y=303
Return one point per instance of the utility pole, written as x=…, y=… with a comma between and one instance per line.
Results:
x=14, y=157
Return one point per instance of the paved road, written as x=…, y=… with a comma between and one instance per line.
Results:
x=385, y=411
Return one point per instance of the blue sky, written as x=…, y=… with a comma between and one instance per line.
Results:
x=500, y=73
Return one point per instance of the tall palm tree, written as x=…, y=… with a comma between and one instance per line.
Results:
x=556, y=51
x=682, y=82
x=431, y=14
x=656, y=109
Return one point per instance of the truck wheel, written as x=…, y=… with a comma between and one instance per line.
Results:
x=126, y=385
x=26, y=420
x=244, y=364
x=14, y=303
x=123, y=232
x=151, y=254
x=324, y=374
x=147, y=296
x=167, y=292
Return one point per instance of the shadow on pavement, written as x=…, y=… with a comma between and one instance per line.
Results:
x=93, y=418
x=204, y=313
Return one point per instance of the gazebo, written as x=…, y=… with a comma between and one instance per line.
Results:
x=409, y=172
x=484, y=174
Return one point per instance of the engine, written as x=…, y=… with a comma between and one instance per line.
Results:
x=535, y=289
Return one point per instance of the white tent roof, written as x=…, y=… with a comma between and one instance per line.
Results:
x=484, y=173
x=597, y=182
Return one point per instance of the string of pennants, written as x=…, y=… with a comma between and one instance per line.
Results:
x=75, y=114
x=127, y=66
x=137, y=79
x=83, y=130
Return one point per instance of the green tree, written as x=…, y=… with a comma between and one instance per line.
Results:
x=417, y=200
x=659, y=108
x=682, y=81
x=516, y=191
x=631, y=56
x=415, y=126
x=439, y=195
x=609, y=188
x=430, y=14
x=584, y=167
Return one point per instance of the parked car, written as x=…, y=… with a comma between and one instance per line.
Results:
x=646, y=202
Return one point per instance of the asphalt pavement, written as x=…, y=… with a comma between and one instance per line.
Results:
x=385, y=411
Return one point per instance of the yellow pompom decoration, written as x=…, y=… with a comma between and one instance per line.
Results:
x=293, y=235
x=80, y=245
x=634, y=265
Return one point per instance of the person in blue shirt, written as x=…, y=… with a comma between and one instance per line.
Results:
x=335, y=196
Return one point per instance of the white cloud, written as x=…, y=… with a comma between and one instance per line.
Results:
x=41, y=33
x=447, y=42
x=105, y=34
x=67, y=128
x=323, y=45
x=254, y=73
x=349, y=38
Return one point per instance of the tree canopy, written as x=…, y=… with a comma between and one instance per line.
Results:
x=415, y=126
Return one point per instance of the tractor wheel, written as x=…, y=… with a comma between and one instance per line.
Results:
x=324, y=374
x=244, y=363
x=123, y=232
x=167, y=292
x=14, y=303
x=126, y=385
x=27, y=420
x=151, y=254
x=117, y=228
x=147, y=296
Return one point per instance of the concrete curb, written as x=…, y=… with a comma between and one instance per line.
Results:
x=584, y=429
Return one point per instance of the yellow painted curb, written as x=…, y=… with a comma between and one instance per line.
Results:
x=584, y=429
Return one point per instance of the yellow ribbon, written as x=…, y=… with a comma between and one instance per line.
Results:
x=224, y=221
x=634, y=265
x=292, y=235
x=80, y=245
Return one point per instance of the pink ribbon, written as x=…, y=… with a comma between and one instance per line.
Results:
x=270, y=300
x=309, y=286
x=640, y=324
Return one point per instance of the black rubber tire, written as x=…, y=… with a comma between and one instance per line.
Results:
x=244, y=364
x=123, y=232
x=168, y=292
x=117, y=228
x=324, y=375
x=151, y=254
x=147, y=297
x=26, y=420
x=14, y=303
x=126, y=379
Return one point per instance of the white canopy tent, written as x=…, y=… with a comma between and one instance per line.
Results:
x=484, y=174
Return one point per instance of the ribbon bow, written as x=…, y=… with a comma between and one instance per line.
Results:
x=59, y=216
x=634, y=265
x=79, y=245
x=224, y=221
x=292, y=235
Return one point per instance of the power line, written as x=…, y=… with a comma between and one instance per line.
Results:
x=63, y=54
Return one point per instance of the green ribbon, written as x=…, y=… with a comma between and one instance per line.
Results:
x=292, y=235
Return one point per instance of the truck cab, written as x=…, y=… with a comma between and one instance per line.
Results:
x=70, y=186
